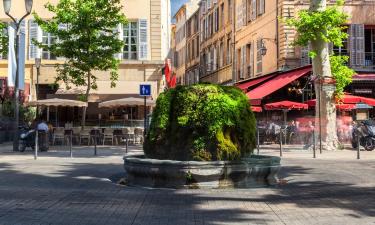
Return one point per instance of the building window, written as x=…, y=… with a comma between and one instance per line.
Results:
x=48, y=40
x=216, y=19
x=230, y=9
x=229, y=51
x=131, y=40
x=222, y=15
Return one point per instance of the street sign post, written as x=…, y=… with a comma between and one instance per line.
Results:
x=145, y=91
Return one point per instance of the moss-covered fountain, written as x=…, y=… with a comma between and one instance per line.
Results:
x=201, y=136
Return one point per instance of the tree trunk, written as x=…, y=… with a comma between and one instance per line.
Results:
x=325, y=104
x=84, y=109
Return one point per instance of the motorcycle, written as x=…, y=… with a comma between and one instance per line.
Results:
x=27, y=139
x=365, y=132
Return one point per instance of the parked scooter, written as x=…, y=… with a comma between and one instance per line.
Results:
x=365, y=131
x=27, y=139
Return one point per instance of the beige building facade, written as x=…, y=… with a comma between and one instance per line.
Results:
x=192, y=49
x=264, y=42
x=216, y=40
x=147, y=44
x=182, y=16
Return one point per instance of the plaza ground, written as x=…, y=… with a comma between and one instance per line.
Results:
x=335, y=188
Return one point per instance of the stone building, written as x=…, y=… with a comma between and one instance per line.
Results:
x=182, y=16
x=264, y=42
x=216, y=40
x=192, y=49
x=147, y=42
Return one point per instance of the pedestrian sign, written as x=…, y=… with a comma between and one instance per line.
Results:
x=145, y=90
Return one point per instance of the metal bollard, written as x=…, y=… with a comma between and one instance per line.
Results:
x=281, y=143
x=70, y=145
x=257, y=140
x=95, y=152
x=314, y=146
x=358, y=148
x=36, y=144
x=127, y=144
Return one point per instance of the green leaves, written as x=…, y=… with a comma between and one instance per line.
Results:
x=3, y=39
x=201, y=122
x=87, y=38
x=327, y=25
x=341, y=73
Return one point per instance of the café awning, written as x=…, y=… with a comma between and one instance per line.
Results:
x=126, y=102
x=276, y=83
x=246, y=84
x=57, y=102
x=286, y=105
x=348, y=99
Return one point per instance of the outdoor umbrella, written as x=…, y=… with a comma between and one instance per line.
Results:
x=347, y=99
x=127, y=102
x=285, y=106
x=256, y=108
x=57, y=102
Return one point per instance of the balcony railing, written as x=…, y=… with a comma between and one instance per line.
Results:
x=370, y=59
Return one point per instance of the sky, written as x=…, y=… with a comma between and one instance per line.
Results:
x=176, y=4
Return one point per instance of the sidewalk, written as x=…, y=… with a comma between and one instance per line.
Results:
x=333, y=189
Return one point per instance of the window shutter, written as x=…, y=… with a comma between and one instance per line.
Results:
x=253, y=9
x=360, y=48
x=62, y=26
x=244, y=22
x=356, y=45
x=251, y=60
x=261, y=7
x=242, y=63
x=35, y=33
x=239, y=17
x=120, y=36
x=142, y=44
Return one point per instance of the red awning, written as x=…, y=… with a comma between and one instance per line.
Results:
x=364, y=77
x=245, y=85
x=256, y=108
x=276, y=83
x=348, y=99
x=288, y=105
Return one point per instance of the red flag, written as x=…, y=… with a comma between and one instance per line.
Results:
x=167, y=72
x=173, y=82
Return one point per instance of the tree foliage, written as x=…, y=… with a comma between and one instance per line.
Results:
x=3, y=39
x=327, y=25
x=201, y=122
x=87, y=37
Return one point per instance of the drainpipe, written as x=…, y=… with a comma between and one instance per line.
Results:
x=277, y=36
x=234, y=42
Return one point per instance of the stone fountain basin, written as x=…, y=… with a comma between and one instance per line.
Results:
x=249, y=172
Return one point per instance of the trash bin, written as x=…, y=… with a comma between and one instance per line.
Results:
x=2, y=135
x=43, y=140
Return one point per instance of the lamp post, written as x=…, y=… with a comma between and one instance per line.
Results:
x=38, y=62
x=28, y=5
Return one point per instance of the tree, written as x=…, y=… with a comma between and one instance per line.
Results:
x=87, y=37
x=318, y=27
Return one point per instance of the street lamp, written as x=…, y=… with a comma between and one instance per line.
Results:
x=28, y=5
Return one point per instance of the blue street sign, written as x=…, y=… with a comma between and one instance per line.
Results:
x=145, y=90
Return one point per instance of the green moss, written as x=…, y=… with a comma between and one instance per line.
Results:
x=201, y=122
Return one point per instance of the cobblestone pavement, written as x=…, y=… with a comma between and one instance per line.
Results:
x=335, y=188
